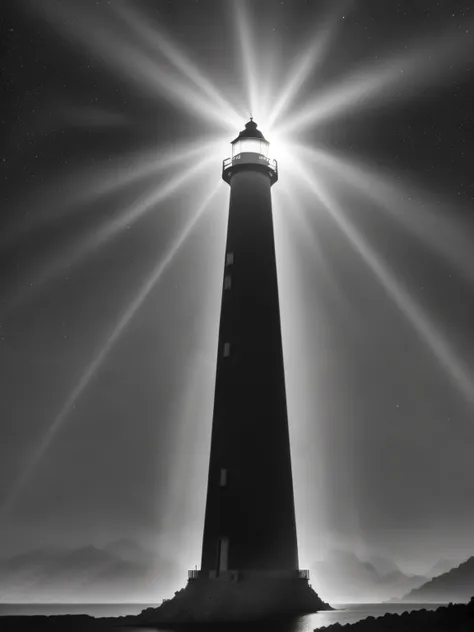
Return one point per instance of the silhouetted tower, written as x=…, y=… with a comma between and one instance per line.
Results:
x=249, y=567
x=250, y=528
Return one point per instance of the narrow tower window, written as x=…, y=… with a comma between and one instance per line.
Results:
x=223, y=478
x=229, y=260
x=226, y=349
x=222, y=555
x=227, y=282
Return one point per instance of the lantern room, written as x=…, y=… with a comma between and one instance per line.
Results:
x=250, y=151
x=250, y=140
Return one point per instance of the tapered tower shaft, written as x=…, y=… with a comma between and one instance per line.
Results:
x=250, y=516
x=249, y=567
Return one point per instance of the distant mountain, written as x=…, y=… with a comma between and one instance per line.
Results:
x=382, y=565
x=457, y=585
x=442, y=566
x=121, y=571
x=128, y=550
x=344, y=578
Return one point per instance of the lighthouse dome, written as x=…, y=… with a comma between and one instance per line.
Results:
x=250, y=131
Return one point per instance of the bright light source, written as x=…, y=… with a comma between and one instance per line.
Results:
x=252, y=145
x=280, y=150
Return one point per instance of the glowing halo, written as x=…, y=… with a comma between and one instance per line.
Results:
x=157, y=67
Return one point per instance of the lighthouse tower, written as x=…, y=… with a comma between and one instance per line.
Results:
x=249, y=566
x=250, y=527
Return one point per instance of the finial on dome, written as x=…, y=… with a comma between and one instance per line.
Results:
x=251, y=125
x=250, y=131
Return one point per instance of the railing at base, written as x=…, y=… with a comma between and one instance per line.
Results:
x=270, y=162
x=235, y=575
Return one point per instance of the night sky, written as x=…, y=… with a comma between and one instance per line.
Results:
x=109, y=150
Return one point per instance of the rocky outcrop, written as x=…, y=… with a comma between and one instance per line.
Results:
x=209, y=601
x=452, y=618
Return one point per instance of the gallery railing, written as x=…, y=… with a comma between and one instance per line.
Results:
x=235, y=574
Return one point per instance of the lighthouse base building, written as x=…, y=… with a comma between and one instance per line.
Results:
x=238, y=600
x=249, y=566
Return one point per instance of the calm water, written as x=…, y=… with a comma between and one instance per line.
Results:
x=345, y=613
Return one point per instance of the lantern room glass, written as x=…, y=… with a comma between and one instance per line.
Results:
x=250, y=145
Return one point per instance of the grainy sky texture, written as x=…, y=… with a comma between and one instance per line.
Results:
x=113, y=223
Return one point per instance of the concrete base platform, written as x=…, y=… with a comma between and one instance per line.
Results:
x=222, y=601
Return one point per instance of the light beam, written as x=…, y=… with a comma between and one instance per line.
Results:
x=248, y=54
x=419, y=214
x=394, y=78
x=109, y=229
x=129, y=60
x=156, y=39
x=458, y=374
x=103, y=353
x=109, y=178
x=305, y=65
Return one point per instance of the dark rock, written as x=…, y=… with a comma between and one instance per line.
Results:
x=206, y=601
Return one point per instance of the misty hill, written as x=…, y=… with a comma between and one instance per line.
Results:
x=442, y=566
x=344, y=578
x=382, y=565
x=457, y=585
x=127, y=549
x=120, y=571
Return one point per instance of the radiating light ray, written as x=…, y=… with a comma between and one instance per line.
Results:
x=301, y=71
x=307, y=63
x=435, y=228
x=158, y=41
x=91, y=117
x=269, y=88
x=430, y=62
x=248, y=54
x=139, y=67
x=107, y=231
x=458, y=374
x=103, y=353
x=311, y=241
x=133, y=169
x=111, y=177
x=129, y=60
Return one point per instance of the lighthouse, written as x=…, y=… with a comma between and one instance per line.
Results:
x=249, y=565
x=250, y=527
